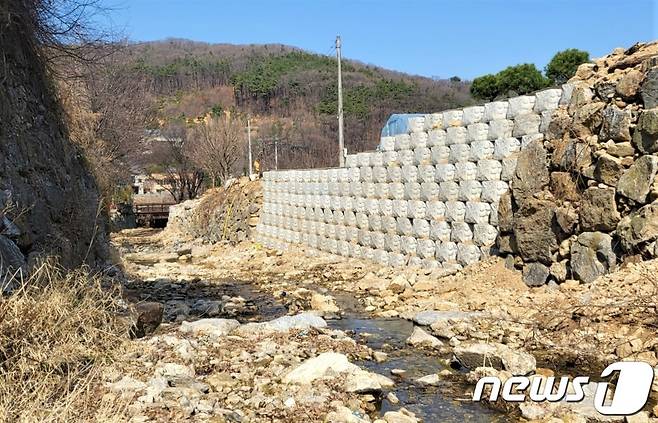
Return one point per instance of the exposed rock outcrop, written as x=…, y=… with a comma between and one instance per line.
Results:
x=46, y=191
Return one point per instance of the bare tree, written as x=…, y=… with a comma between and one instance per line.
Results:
x=184, y=177
x=217, y=145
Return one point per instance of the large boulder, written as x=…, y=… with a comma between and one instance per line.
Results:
x=636, y=181
x=420, y=338
x=531, y=174
x=325, y=364
x=534, y=230
x=645, y=137
x=629, y=84
x=598, y=210
x=592, y=256
x=640, y=227
x=499, y=356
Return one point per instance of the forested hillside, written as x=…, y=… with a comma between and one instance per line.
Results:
x=291, y=93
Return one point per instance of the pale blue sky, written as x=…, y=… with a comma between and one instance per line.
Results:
x=431, y=38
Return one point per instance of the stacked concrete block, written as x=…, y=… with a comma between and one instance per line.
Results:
x=425, y=198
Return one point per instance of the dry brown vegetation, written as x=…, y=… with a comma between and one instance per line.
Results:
x=57, y=331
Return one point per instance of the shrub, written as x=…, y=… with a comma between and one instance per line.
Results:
x=520, y=79
x=564, y=65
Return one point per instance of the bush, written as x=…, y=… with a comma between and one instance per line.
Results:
x=564, y=65
x=520, y=79
x=485, y=87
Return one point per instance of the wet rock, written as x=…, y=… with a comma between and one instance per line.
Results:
x=499, y=356
x=431, y=380
x=636, y=181
x=210, y=327
x=616, y=124
x=535, y=274
x=592, y=256
x=149, y=317
x=534, y=230
x=629, y=84
x=608, y=169
x=649, y=89
x=598, y=210
x=638, y=228
x=320, y=366
x=531, y=174
x=645, y=137
x=420, y=338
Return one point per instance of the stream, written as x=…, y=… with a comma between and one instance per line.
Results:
x=432, y=403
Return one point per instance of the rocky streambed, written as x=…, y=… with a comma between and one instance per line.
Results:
x=379, y=356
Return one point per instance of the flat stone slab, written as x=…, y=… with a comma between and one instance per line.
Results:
x=429, y=317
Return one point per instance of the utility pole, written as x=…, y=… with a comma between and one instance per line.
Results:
x=341, y=144
x=249, y=142
x=276, y=155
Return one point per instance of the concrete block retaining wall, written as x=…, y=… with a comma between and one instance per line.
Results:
x=427, y=198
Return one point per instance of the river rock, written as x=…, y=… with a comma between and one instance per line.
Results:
x=616, y=124
x=639, y=227
x=364, y=382
x=598, y=210
x=649, y=89
x=636, y=181
x=324, y=304
x=645, y=137
x=402, y=416
x=534, y=230
x=499, y=356
x=320, y=366
x=535, y=274
x=420, y=338
x=149, y=317
x=344, y=415
x=592, y=256
x=210, y=327
x=299, y=321
x=531, y=174
x=431, y=380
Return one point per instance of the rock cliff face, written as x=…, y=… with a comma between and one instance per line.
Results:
x=584, y=199
x=48, y=198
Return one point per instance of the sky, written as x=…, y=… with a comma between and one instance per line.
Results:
x=464, y=38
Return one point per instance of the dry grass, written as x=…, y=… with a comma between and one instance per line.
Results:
x=57, y=332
